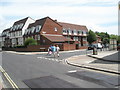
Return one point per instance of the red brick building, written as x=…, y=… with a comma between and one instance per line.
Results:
x=78, y=33
x=46, y=31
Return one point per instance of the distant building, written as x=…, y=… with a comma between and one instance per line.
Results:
x=5, y=38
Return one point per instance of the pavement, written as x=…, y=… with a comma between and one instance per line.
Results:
x=107, y=61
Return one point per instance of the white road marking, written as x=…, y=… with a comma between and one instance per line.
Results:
x=72, y=71
x=49, y=59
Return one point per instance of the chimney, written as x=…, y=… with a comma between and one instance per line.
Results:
x=55, y=20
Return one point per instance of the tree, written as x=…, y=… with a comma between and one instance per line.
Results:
x=105, y=37
x=112, y=36
x=30, y=41
x=91, y=37
x=105, y=41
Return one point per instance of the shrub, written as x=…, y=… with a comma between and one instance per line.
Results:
x=20, y=46
x=30, y=41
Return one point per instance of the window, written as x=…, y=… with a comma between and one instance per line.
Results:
x=28, y=31
x=79, y=32
x=17, y=27
x=20, y=33
x=84, y=32
x=38, y=27
x=15, y=33
x=14, y=28
x=35, y=37
x=69, y=31
x=25, y=31
x=55, y=29
x=11, y=28
x=75, y=38
x=64, y=31
x=20, y=26
x=84, y=39
x=38, y=37
x=32, y=29
x=75, y=32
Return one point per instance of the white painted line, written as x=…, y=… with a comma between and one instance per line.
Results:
x=72, y=71
x=56, y=60
x=52, y=59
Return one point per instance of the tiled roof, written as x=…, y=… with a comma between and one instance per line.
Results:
x=56, y=38
x=21, y=21
x=73, y=26
x=6, y=30
x=37, y=22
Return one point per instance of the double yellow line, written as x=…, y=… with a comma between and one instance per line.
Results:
x=15, y=87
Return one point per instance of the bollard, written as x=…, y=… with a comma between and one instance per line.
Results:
x=94, y=51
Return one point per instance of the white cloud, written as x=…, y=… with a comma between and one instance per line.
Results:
x=69, y=11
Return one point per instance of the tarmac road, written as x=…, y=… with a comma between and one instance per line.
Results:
x=38, y=71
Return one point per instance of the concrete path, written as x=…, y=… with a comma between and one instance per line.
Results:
x=112, y=56
x=97, y=63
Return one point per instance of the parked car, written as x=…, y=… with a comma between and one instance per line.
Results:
x=90, y=47
x=118, y=47
x=99, y=46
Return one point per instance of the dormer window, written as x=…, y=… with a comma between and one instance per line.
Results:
x=33, y=28
x=17, y=27
x=11, y=28
x=38, y=27
x=14, y=27
x=21, y=25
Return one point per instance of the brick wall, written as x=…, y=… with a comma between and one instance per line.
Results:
x=67, y=46
x=49, y=27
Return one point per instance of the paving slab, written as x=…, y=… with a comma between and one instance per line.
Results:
x=96, y=63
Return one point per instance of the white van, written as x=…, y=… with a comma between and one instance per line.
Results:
x=99, y=46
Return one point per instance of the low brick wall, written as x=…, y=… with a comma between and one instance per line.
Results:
x=67, y=47
x=33, y=48
x=83, y=47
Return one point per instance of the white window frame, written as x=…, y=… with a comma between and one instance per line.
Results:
x=37, y=28
x=21, y=25
x=55, y=29
x=32, y=29
x=38, y=37
x=75, y=32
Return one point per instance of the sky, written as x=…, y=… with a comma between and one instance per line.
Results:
x=97, y=15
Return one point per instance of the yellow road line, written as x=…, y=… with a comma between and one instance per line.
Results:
x=15, y=87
